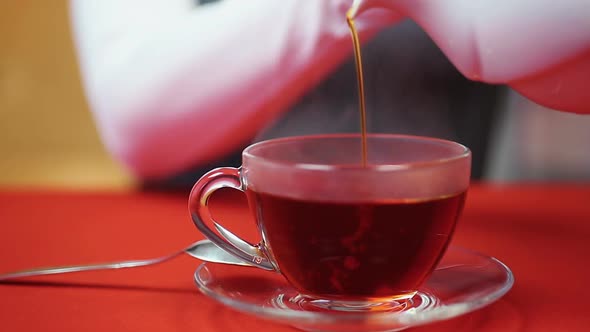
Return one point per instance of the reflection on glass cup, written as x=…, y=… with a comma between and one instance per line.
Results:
x=343, y=234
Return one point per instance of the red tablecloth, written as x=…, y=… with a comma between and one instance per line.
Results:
x=542, y=232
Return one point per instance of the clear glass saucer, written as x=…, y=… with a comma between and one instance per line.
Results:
x=464, y=281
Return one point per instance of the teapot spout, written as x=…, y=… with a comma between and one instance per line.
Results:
x=360, y=6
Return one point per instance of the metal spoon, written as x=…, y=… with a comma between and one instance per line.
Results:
x=204, y=250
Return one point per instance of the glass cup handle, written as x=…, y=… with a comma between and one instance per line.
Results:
x=225, y=177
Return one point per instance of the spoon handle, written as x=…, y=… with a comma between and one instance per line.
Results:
x=87, y=267
x=204, y=250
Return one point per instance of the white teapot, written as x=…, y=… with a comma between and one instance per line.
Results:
x=541, y=48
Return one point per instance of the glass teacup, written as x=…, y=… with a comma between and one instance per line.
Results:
x=345, y=235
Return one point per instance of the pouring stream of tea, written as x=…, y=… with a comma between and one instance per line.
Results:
x=360, y=80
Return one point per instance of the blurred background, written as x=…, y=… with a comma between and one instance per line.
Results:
x=47, y=135
x=48, y=138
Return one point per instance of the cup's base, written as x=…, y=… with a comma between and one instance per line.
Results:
x=413, y=301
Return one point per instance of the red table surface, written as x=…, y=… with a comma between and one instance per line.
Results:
x=542, y=232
